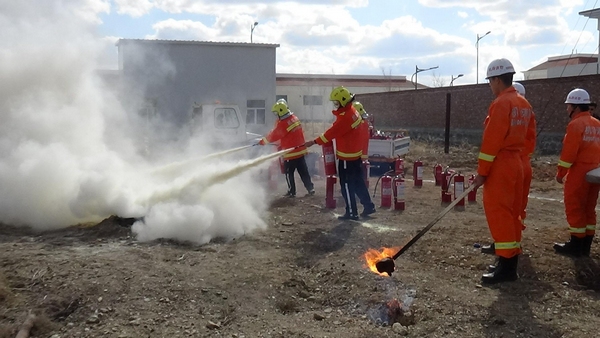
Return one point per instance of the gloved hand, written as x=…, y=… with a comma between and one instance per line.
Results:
x=309, y=144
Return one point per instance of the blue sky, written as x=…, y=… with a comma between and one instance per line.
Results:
x=366, y=37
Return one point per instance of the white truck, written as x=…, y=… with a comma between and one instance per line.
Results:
x=223, y=124
x=385, y=148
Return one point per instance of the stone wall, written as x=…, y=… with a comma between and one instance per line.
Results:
x=423, y=112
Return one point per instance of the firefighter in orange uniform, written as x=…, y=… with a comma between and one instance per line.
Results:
x=365, y=130
x=530, y=140
x=579, y=155
x=348, y=149
x=288, y=130
x=500, y=170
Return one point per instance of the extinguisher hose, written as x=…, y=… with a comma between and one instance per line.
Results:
x=379, y=179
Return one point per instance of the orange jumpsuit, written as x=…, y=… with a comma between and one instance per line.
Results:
x=580, y=154
x=345, y=131
x=529, y=148
x=364, y=138
x=289, y=132
x=500, y=162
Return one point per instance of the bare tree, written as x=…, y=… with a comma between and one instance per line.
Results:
x=438, y=81
x=387, y=77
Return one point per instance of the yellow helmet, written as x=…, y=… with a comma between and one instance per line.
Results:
x=359, y=107
x=341, y=95
x=280, y=108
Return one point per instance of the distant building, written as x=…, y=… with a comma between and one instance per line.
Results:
x=564, y=66
x=308, y=94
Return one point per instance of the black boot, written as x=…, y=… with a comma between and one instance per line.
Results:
x=506, y=271
x=492, y=267
x=587, y=245
x=574, y=247
x=489, y=249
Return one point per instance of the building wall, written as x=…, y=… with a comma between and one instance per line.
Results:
x=319, y=117
x=423, y=112
x=173, y=75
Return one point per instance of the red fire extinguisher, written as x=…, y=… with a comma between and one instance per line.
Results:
x=446, y=181
x=437, y=172
x=386, y=191
x=329, y=159
x=330, y=202
x=459, y=188
x=366, y=166
x=418, y=173
x=472, y=197
x=399, y=166
x=282, y=165
x=399, y=200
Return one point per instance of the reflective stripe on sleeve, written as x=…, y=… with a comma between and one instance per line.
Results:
x=565, y=164
x=486, y=157
x=293, y=125
x=322, y=137
x=356, y=123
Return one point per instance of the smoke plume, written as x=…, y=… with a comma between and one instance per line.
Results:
x=70, y=152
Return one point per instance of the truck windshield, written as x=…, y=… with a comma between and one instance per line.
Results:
x=226, y=118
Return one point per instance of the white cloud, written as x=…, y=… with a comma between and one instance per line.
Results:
x=463, y=14
x=134, y=8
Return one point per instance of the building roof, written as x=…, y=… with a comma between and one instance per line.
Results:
x=566, y=60
x=591, y=13
x=287, y=79
x=192, y=42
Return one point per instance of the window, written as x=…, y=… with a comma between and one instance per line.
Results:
x=226, y=118
x=255, y=113
x=313, y=100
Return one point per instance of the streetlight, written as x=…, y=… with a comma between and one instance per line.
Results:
x=252, y=30
x=454, y=78
x=417, y=71
x=477, y=45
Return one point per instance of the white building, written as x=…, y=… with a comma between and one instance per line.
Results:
x=308, y=94
x=563, y=66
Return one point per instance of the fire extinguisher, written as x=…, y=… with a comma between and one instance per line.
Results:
x=446, y=180
x=472, y=197
x=418, y=173
x=437, y=172
x=282, y=165
x=399, y=200
x=399, y=166
x=366, y=166
x=386, y=191
x=459, y=188
x=329, y=159
x=330, y=201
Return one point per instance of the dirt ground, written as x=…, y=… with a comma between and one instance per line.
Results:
x=304, y=276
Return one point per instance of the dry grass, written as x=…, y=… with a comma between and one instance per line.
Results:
x=5, y=292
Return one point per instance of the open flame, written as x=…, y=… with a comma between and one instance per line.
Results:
x=372, y=256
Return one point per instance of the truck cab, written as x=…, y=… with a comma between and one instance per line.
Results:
x=221, y=124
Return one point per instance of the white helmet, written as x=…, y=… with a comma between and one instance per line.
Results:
x=519, y=87
x=499, y=67
x=578, y=96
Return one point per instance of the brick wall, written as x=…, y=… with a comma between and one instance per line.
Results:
x=423, y=112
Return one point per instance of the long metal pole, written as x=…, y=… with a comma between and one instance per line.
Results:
x=447, y=131
x=477, y=46
x=416, y=76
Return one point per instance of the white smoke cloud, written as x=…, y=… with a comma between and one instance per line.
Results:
x=68, y=154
